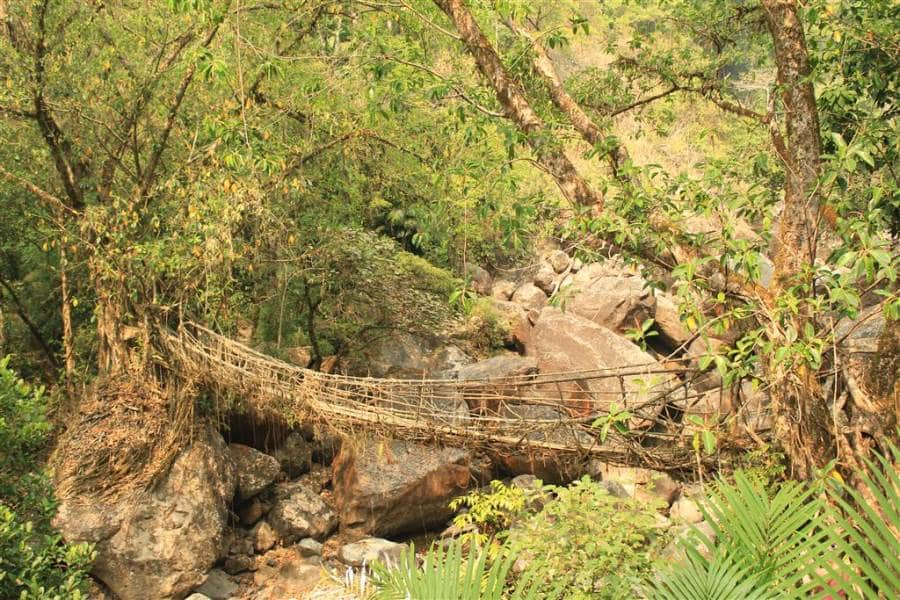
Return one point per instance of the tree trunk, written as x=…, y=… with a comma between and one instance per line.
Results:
x=800, y=219
x=66, y=310
x=584, y=125
x=803, y=422
x=515, y=105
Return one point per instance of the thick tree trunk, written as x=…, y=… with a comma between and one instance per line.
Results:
x=803, y=422
x=584, y=125
x=802, y=214
x=515, y=105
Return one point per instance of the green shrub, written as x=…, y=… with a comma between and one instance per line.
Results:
x=591, y=543
x=489, y=513
x=34, y=563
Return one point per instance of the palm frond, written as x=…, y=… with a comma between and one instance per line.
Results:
x=719, y=578
x=866, y=530
x=450, y=572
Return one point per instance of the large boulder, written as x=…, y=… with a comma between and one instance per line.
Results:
x=870, y=345
x=160, y=543
x=255, y=470
x=408, y=356
x=388, y=488
x=489, y=387
x=565, y=343
x=529, y=296
x=299, y=513
x=615, y=301
x=502, y=365
x=533, y=459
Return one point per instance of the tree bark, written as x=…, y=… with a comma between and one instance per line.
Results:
x=68, y=338
x=516, y=107
x=584, y=125
x=800, y=219
x=802, y=419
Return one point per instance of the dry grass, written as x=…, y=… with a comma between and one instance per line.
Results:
x=122, y=439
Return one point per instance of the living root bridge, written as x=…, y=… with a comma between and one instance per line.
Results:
x=434, y=410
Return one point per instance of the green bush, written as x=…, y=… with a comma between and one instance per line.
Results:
x=591, y=543
x=34, y=563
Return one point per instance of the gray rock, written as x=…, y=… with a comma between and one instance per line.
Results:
x=545, y=278
x=369, y=550
x=546, y=465
x=264, y=537
x=294, y=455
x=161, y=543
x=503, y=290
x=482, y=397
x=197, y=596
x=614, y=489
x=401, y=355
x=235, y=565
x=576, y=265
x=255, y=470
x=618, y=303
x=502, y=365
x=870, y=345
x=309, y=547
x=218, y=586
x=529, y=296
x=480, y=280
x=299, y=513
x=559, y=260
x=388, y=487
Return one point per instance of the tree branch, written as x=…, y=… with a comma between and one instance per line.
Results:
x=43, y=195
x=32, y=328
x=162, y=143
x=459, y=91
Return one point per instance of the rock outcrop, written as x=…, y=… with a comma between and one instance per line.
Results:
x=545, y=464
x=391, y=487
x=162, y=543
